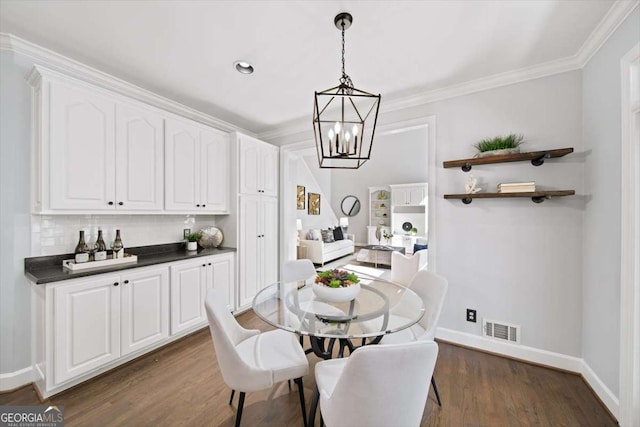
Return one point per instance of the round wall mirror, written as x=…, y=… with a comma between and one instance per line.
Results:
x=350, y=206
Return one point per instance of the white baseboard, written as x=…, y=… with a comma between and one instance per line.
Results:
x=538, y=356
x=606, y=396
x=16, y=379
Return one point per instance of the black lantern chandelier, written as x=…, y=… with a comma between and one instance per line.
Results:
x=344, y=118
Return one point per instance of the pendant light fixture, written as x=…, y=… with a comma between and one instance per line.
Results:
x=344, y=118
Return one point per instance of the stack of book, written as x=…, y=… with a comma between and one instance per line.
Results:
x=517, y=187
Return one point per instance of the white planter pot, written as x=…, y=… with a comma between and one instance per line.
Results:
x=192, y=246
x=498, y=152
x=328, y=294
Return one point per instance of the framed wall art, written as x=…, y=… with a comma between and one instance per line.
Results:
x=314, y=204
x=300, y=196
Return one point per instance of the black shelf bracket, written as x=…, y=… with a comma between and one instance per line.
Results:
x=466, y=168
x=467, y=200
x=539, y=199
x=539, y=161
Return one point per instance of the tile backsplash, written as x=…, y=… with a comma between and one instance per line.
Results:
x=58, y=234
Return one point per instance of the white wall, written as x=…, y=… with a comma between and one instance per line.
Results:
x=602, y=138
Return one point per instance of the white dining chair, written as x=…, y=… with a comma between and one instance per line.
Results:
x=432, y=289
x=375, y=386
x=250, y=360
x=404, y=267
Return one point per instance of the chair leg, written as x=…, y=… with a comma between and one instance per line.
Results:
x=289, y=382
x=239, y=412
x=313, y=407
x=435, y=389
x=231, y=398
x=302, y=404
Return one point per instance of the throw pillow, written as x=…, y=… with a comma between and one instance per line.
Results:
x=314, y=234
x=337, y=234
x=417, y=247
x=327, y=236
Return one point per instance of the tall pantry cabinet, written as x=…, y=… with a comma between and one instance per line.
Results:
x=257, y=217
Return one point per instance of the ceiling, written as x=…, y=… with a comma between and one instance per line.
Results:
x=185, y=50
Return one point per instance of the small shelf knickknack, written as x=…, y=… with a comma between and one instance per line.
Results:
x=536, y=196
x=537, y=158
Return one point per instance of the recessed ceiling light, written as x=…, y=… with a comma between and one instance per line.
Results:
x=243, y=67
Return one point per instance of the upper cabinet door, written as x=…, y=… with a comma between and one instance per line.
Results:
x=214, y=172
x=139, y=159
x=82, y=149
x=418, y=195
x=269, y=170
x=250, y=166
x=182, y=166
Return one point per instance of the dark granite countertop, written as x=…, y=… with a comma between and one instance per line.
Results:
x=49, y=269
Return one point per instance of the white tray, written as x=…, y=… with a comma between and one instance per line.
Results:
x=70, y=264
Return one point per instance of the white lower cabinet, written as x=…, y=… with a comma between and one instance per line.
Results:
x=85, y=326
x=189, y=283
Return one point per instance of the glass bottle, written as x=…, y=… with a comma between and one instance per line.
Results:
x=118, y=247
x=101, y=247
x=82, y=250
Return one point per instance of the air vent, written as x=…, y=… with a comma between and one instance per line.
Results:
x=501, y=331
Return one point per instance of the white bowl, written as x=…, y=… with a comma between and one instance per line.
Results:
x=328, y=294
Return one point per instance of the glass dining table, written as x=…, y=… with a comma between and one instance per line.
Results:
x=381, y=307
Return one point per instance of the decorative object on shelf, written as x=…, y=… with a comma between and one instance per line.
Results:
x=72, y=265
x=300, y=196
x=314, y=204
x=498, y=145
x=82, y=250
x=537, y=158
x=407, y=226
x=336, y=286
x=344, y=118
x=211, y=237
x=387, y=236
x=192, y=240
x=118, y=246
x=383, y=195
x=414, y=231
x=471, y=186
x=350, y=205
x=517, y=187
x=100, y=253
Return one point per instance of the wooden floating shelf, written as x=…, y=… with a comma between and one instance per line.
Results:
x=537, y=158
x=536, y=196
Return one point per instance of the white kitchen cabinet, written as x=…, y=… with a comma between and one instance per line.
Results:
x=144, y=308
x=258, y=246
x=100, y=319
x=139, y=159
x=98, y=153
x=258, y=167
x=409, y=195
x=86, y=321
x=81, y=149
x=196, y=168
x=189, y=283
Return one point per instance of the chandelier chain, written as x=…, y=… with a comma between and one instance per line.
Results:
x=345, y=80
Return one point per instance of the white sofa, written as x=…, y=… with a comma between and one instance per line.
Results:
x=320, y=253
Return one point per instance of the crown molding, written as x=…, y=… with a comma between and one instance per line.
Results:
x=70, y=67
x=607, y=25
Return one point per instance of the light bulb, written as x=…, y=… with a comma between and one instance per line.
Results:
x=337, y=127
x=355, y=129
x=331, y=134
x=347, y=136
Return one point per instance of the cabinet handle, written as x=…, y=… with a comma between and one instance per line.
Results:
x=116, y=284
x=125, y=282
x=120, y=203
x=197, y=206
x=110, y=203
x=209, y=263
x=204, y=206
x=204, y=265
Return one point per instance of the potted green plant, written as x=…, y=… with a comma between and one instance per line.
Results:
x=387, y=236
x=499, y=145
x=336, y=285
x=192, y=240
x=414, y=231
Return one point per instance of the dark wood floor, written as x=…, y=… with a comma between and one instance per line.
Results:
x=181, y=385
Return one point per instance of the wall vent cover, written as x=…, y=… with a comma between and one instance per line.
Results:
x=501, y=331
